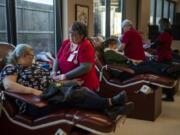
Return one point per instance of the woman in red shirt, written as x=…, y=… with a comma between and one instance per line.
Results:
x=164, y=52
x=75, y=58
x=164, y=41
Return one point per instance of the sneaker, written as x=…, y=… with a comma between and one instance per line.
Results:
x=128, y=108
x=119, y=99
x=173, y=69
x=120, y=110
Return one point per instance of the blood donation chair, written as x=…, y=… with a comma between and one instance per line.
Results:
x=145, y=90
x=65, y=121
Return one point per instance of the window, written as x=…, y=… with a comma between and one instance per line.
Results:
x=152, y=11
x=158, y=11
x=99, y=17
x=3, y=24
x=35, y=24
x=172, y=6
x=116, y=17
x=166, y=9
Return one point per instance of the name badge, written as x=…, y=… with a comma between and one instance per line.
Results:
x=71, y=57
x=75, y=52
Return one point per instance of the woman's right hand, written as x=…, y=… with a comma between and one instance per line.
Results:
x=53, y=74
x=60, y=77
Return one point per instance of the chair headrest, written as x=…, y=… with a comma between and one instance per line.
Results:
x=5, y=48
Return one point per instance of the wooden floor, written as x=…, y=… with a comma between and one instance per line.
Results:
x=168, y=123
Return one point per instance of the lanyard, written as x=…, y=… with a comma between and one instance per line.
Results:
x=76, y=56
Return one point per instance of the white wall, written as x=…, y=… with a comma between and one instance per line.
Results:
x=130, y=10
x=143, y=14
x=144, y=17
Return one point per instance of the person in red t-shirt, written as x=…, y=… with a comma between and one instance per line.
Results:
x=163, y=41
x=162, y=45
x=131, y=43
x=75, y=58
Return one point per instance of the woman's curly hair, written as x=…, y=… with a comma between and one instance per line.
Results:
x=80, y=28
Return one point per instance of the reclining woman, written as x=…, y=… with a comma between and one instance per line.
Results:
x=20, y=75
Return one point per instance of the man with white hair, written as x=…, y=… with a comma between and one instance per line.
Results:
x=131, y=43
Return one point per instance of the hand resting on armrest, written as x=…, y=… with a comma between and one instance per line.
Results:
x=28, y=98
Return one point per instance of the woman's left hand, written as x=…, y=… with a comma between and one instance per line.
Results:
x=78, y=81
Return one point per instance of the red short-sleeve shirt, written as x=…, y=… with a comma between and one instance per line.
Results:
x=134, y=46
x=83, y=53
x=164, y=51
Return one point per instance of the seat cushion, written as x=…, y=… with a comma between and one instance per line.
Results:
x=91, y=119
x=147, y=79
x=88, y=120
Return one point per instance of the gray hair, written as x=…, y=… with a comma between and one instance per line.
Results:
x=18, y=52
x=127, y=22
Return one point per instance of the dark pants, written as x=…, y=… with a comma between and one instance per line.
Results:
x=176, y=57
x=90, y=100
x=151, y=67
x=39, y=112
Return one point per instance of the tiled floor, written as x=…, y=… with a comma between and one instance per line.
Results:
x=168, y=123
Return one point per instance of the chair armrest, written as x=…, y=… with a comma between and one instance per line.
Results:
x=121, y=69
x=31, y=99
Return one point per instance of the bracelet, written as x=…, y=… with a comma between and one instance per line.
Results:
x=62, y=77
x=58, y=84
